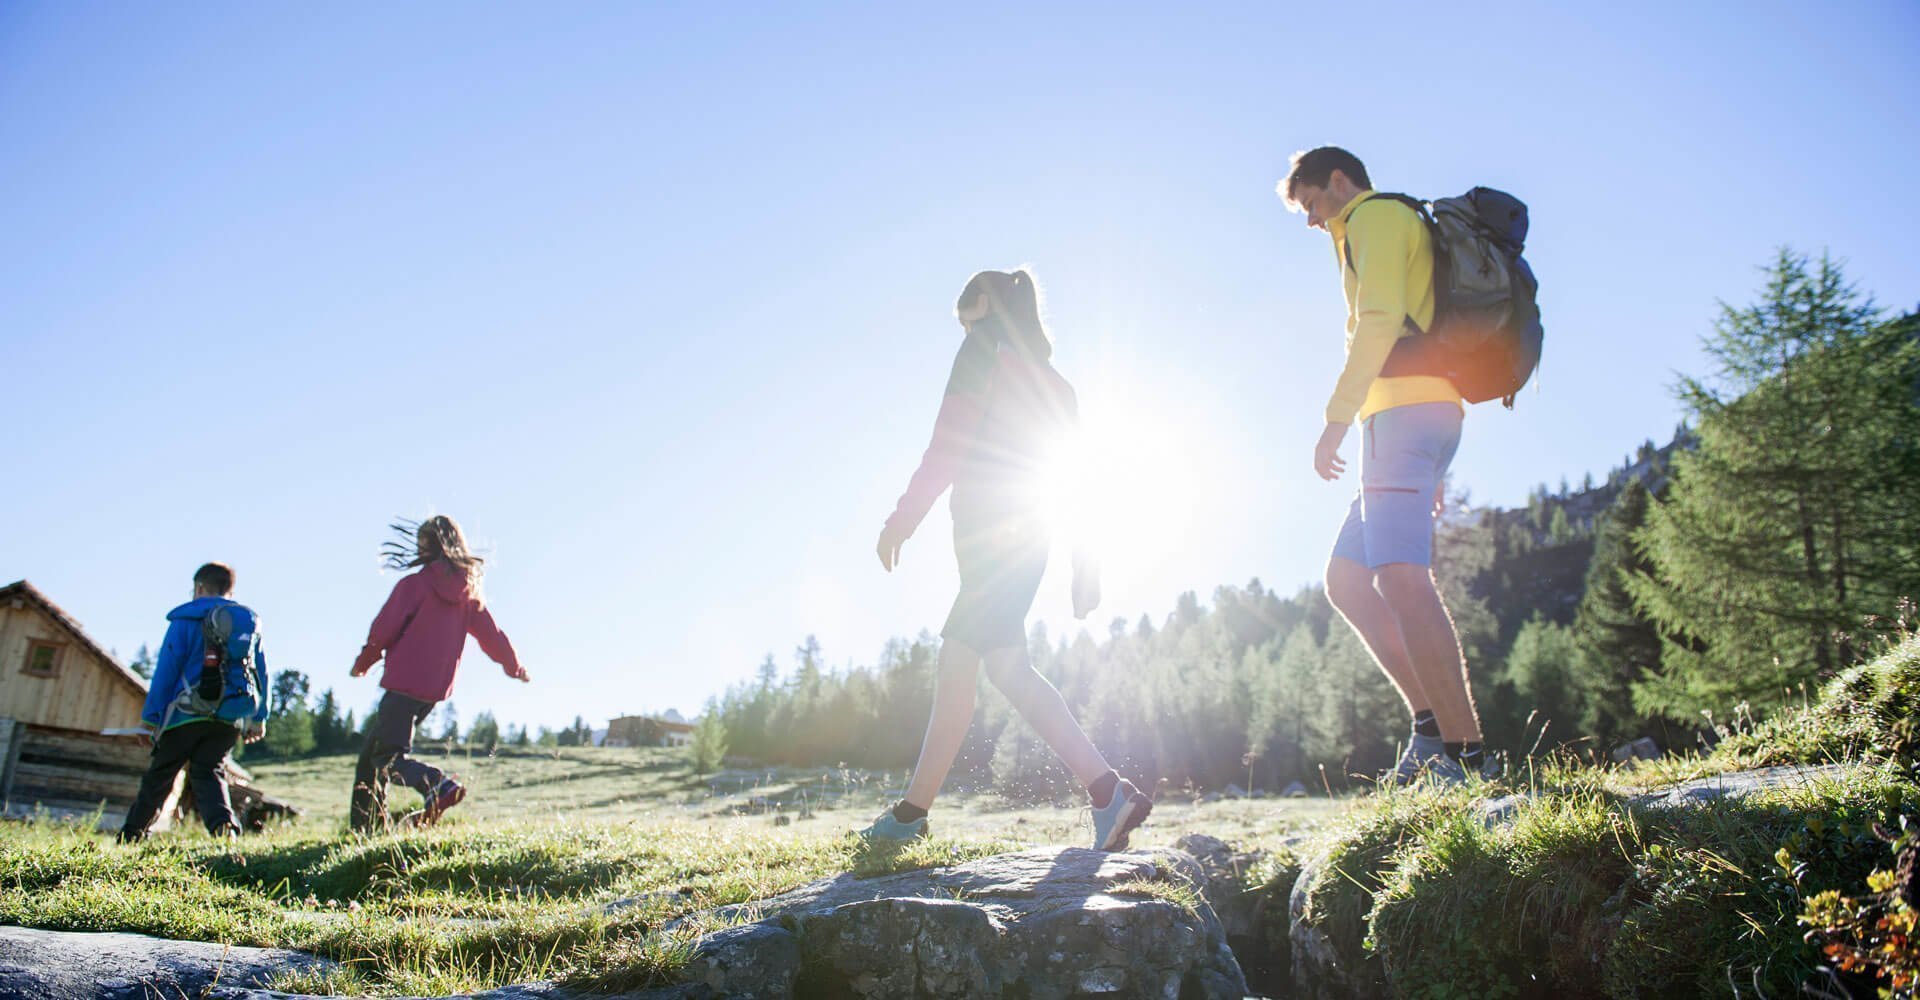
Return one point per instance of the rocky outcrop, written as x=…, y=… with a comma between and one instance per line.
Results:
x=1051, y=922
x=1330, y=964
x=60, y=965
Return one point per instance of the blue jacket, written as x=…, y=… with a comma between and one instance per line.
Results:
x=178, y=666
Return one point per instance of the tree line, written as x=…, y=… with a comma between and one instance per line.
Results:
x=302, y=725
x=1750, y=559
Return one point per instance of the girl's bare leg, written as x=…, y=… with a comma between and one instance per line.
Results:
x=1041, y=705
x=953, y=691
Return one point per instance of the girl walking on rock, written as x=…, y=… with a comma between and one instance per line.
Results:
x=1005, y=406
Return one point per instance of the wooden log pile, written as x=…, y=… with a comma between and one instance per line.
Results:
x=67, y=773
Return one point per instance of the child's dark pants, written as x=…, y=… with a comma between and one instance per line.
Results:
x=384, y=758
x=202, y=748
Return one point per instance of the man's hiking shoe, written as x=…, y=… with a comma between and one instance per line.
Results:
x=1426, y=756
x=1489, y=769
x=889, y=832
x=1123, y=814
x=445, y=796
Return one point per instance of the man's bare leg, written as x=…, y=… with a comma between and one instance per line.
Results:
x=1432, y=646
x=1351, y=590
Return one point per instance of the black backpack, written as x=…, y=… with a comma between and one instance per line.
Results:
x=1486, y=331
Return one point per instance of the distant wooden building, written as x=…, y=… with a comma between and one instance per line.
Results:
x=53, y=675
x=62, y=697
x=648, y=731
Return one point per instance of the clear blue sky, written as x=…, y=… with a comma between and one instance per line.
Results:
x=656, y=299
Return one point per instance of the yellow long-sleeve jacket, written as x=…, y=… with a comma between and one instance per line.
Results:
x=1389, y=278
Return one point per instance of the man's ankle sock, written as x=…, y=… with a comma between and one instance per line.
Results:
x=1425, y=724
x=907, y=812
x=1471, y=757
x=1103, y=788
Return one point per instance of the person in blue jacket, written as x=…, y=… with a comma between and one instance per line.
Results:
x=181, y=737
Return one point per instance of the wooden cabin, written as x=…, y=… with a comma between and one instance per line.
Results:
x=648, y=731
x=53, y=675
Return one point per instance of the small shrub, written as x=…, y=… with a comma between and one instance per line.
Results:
x=1875, y=935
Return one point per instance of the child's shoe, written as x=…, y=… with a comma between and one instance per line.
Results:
x=445, y=796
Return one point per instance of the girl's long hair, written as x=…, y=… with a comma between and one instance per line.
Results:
x=1014, y=299
x=436, y=539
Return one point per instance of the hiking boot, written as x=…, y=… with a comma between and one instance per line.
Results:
x=1446, y=772
x=1425, y=755
x=445, y=796
x=1488, y=770
x=887, y=831
x=1120, y=817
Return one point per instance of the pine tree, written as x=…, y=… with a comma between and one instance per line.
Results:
x=330, y=732
x=485, y=732
x=709, y=740
x=1616, y=645
x=143, y=662
x=1540, y=667
x=1795, y=517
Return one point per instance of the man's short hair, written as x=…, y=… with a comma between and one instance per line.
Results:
x=216, y=578
x=1314, y=167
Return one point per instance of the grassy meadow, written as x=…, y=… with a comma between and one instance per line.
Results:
x=514, y=884
x=1582, y=891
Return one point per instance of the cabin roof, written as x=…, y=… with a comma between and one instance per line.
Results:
x=22, y=590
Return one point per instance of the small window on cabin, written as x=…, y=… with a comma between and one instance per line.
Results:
x=43, y=659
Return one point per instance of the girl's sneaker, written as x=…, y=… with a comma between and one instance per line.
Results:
x=445, y=796
x=1113, y=824
x=889, y=832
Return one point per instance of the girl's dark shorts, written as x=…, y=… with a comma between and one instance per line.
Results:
x=1001, y=563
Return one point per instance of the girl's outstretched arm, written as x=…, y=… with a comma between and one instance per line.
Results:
x=392, y=620
x=494, y=642
x=954, y=431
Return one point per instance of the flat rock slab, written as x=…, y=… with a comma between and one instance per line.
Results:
x=1737, y=784
x=63, y=965
x=1053, y=922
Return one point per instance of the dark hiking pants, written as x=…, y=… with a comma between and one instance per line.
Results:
x=384, y=758
x=202, y=748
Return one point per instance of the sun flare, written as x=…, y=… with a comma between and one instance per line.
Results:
x=1125, y=486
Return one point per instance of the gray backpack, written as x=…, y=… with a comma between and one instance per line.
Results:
x=1486, y=332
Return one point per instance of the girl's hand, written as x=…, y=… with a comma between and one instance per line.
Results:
x=891, y=539
x=1086, y=590
x=520, y=675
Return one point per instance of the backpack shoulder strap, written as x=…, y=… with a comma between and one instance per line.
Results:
x=1419, y=209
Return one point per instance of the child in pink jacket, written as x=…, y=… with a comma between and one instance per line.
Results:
x=421, y=631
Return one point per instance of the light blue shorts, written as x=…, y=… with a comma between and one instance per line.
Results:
x=1404, y=454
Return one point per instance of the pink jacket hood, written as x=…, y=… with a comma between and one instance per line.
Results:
x=422, y=630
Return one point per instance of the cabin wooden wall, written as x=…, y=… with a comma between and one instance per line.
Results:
x=88, y=693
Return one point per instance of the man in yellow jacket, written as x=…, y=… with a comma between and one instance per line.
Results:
x=1380, y=577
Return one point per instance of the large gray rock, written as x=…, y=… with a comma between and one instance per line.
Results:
x=1055, y=922
x=1323, y=967
x=1736, y=785
x=61, y=965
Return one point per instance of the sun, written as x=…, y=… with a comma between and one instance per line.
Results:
x=1125, y=486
